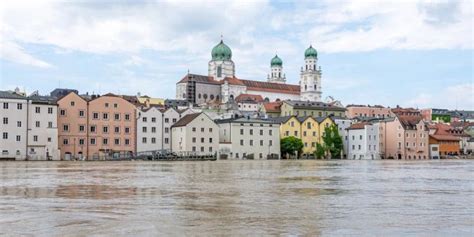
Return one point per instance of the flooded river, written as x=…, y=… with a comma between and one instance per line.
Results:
x=328, y=198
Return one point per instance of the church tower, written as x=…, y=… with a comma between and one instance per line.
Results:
x=221, y=64
x=276, y=67
x=310, y=79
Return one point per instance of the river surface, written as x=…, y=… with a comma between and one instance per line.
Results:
x=237, y=198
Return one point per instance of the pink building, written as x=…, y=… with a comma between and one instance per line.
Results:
x=72, y=126
x=370, y=111
x=103, y=127
x=112, y=127
x=404, y=136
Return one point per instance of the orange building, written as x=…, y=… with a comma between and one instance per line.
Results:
x=442, y=134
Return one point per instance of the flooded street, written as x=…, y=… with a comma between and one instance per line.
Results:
x=377, y=198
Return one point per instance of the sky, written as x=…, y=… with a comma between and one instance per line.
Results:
x=408, y=53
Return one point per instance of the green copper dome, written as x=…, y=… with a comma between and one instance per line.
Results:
x=276, y=61
x=221, y=52
x=310, y=52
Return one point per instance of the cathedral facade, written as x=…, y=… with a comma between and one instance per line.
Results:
x=222, y=86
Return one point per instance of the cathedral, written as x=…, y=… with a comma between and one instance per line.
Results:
x=222, y=86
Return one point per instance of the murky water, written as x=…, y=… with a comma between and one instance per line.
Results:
x=375, y=198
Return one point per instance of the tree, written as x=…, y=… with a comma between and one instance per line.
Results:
x=290, y=145
x=332, y=141
x=320, y=151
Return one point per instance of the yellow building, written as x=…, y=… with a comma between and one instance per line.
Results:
x=309, y=129
x=149, y=101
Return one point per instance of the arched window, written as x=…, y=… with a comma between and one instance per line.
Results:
x=314, y=67
x=219, y=71
x=306, y=67
x=278, y=99
x=267, y=99
x=205, y=96
x=199, y=95
x=305, y=87
x=231, y=97
x=314, y=87
x=217, y=97
x=279, y=74
x=212, y=97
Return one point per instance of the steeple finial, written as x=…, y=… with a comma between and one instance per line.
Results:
x=222, y=38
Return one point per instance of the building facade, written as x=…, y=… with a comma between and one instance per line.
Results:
x=195, y=134
x=14, y=109
x=154, y=128
x=42, y=128
x=363, y=141
x=248, y=138
x=367, y=111
x=308, y=108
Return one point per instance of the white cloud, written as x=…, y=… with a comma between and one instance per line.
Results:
x=15, y=53
x=453, y=97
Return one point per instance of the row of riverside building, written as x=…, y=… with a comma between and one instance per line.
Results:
x=66, y=125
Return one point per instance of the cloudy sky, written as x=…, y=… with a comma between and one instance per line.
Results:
x=408, y=53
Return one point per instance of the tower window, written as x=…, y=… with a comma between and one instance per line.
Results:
x=305, y=87
x=219, y=71
x=314, y=67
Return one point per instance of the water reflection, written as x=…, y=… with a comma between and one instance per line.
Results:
x=237, y=198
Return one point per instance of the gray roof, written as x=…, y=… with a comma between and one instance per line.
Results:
x=11, y=95
x=245, y=120
x=312, y=105
x=39, y=99
x=283, y=119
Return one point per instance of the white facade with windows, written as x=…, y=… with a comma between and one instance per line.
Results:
x=42, y=128
x=245, y=138
x=13, y=126
x=195, y=134
x=342, y=125
x=154, y=128
x=363, y=142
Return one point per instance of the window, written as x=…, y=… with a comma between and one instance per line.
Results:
x=81, y=128
x=153, y=129
x=81, y=113
x=93, y=129
x=174, y=120
x=360, y=147
x=167, y=140
x=210, y=149
x=210, y=140
x=167, y=130
x=37, y=124
x=106, y=105
x=50, y=124
x=37, y=109
x=202, y=129
x=360, y=137
x=105, y=129
x=304, y=133
x=144, y=119
x=241, y=142
x=241, y=131
x=19, y=106
x=144, y=129
x=117, y=116
x=115, y=105
x=202, y=149
x=65, y=141
x=73, y=103
x=5, y=105
x=92, y=141
x=18, y=138
x=81, y=141
x=270, y=143
x=251, y=142
x=219, y=71
x=127, y=141
x=105, y=141
x=202, y=139
x=127, y=130
x=95, y=115
x=50, y=110
x=194, y=148
x=251, y=131
x=105, y=116
x=194, y=129
x=153, y=119
x=210, y=130
x=167, y=120
x=62, y=112
x=117, y=141
x=66, y=128
x=153, y=140
x=127, y=117
x=296, y=133
x=261, y=142
x=144, y=140
x=194, y=140
x=5, y=120
x=117, y=129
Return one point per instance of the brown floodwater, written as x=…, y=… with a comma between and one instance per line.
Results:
x=237, y=198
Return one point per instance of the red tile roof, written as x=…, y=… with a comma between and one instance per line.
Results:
x=249, y=97
x=358, y=125
x=198, y=78
x=445, y=137
x=272, y=107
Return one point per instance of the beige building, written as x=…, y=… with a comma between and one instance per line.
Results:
x=367, y=111
x=195, y=134
x=308, y=108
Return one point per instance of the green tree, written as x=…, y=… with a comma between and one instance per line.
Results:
x=290, y=145
x=332, y=141
x=320, y=151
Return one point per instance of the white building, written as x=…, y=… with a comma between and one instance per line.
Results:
x=13, y=109
x=342, y=125
x=195, y=133
x=249, y=138
x=222, y=85
x=363, y=141
x=42, y=128
x=154, y=128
